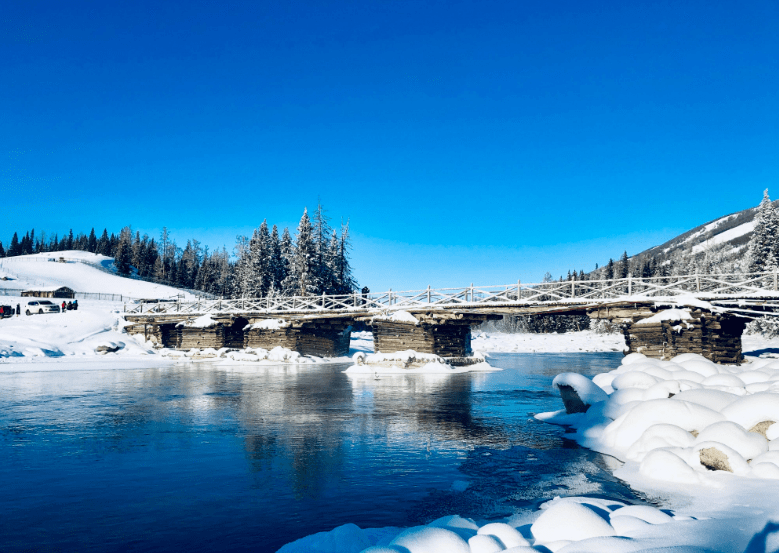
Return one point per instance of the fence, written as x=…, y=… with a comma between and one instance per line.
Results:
x=723, y=286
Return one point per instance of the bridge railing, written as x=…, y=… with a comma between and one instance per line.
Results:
x=743, y=285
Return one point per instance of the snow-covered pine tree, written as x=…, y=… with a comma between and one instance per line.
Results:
x=286, y=249
x=262, y=265
x=320, y=235
x=274, y=259
x=123, y=257
x=763, y=251
x=343, y=269
x=302, y=273
x=241, y=285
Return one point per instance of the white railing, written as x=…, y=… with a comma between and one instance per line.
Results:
x=712, y=287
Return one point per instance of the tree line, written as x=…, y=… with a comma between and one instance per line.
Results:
x=270, y=262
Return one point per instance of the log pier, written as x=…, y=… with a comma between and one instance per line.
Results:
x=444, y=334
x=653, y=330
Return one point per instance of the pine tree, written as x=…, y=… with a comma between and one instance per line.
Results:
x=123, y=256
x=763, y=252
x=301, y=279
x=624, y=265
x=2, y=251
x=274, y=259
x=261, y=264
x=92, y=241
x=241, y=284
x=14, y=249
x=610, y=270
x=344, y=280
x=286, y=250
x=321, y=234
x=104, y=244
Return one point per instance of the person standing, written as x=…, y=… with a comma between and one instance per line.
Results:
x=63, y=306
x=18, y=309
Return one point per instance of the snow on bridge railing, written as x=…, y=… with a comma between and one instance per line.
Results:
x=729, y=285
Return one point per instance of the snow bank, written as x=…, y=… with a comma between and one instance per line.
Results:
x=583, y=341
x=230, y=356
x=95, y=329
x=722, y=422
x=574, y=524
x=411, y=362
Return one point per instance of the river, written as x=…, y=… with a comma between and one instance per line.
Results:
x=247, y=458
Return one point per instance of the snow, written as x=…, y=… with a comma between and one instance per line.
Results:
x=726, y=236
x=399, y=316
x=587, y=391
x=80, y=273
x=410, y=362
x=583, y=341
x=667, y=315
x=269, y=324
x=204, y=321
x=72, y=333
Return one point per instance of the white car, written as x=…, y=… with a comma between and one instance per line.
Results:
x=41, y=306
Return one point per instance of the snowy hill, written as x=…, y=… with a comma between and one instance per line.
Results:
x=731, y=231
x=719, y=246
x=82, y=271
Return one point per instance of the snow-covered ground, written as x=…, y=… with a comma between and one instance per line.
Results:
x=546, y=343
x=72, y=334
x=80, y=273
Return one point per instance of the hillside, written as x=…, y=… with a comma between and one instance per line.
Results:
x=718, y=246
x=83, y=272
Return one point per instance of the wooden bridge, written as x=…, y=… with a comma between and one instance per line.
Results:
x=721, y=305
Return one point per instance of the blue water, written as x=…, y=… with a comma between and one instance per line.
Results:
x=207, y=458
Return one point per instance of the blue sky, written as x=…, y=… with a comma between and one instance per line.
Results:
x=465, y=141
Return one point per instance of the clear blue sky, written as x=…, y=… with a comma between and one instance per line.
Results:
x=467, y=141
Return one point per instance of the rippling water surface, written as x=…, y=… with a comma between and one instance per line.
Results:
x=212, y=458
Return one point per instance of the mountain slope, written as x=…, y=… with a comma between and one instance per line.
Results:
x=83, y=272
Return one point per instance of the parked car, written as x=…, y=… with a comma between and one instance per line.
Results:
x=6, y=311
x=41, y=306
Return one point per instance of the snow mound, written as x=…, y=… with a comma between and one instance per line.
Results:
x=682, y=420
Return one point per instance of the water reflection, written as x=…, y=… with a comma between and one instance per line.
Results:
x=229, y=457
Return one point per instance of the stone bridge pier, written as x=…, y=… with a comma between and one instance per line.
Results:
x=665, y=332
x=444, y=334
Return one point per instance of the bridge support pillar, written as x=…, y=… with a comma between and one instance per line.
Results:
x=160, y=334
x=447, y=335
x=666, y=333
x=320, y=337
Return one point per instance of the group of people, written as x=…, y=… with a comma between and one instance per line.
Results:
x=70, y=306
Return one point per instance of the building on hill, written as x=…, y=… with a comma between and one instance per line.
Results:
x=50, y=292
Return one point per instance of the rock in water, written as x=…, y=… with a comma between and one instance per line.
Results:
x=571, y=400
